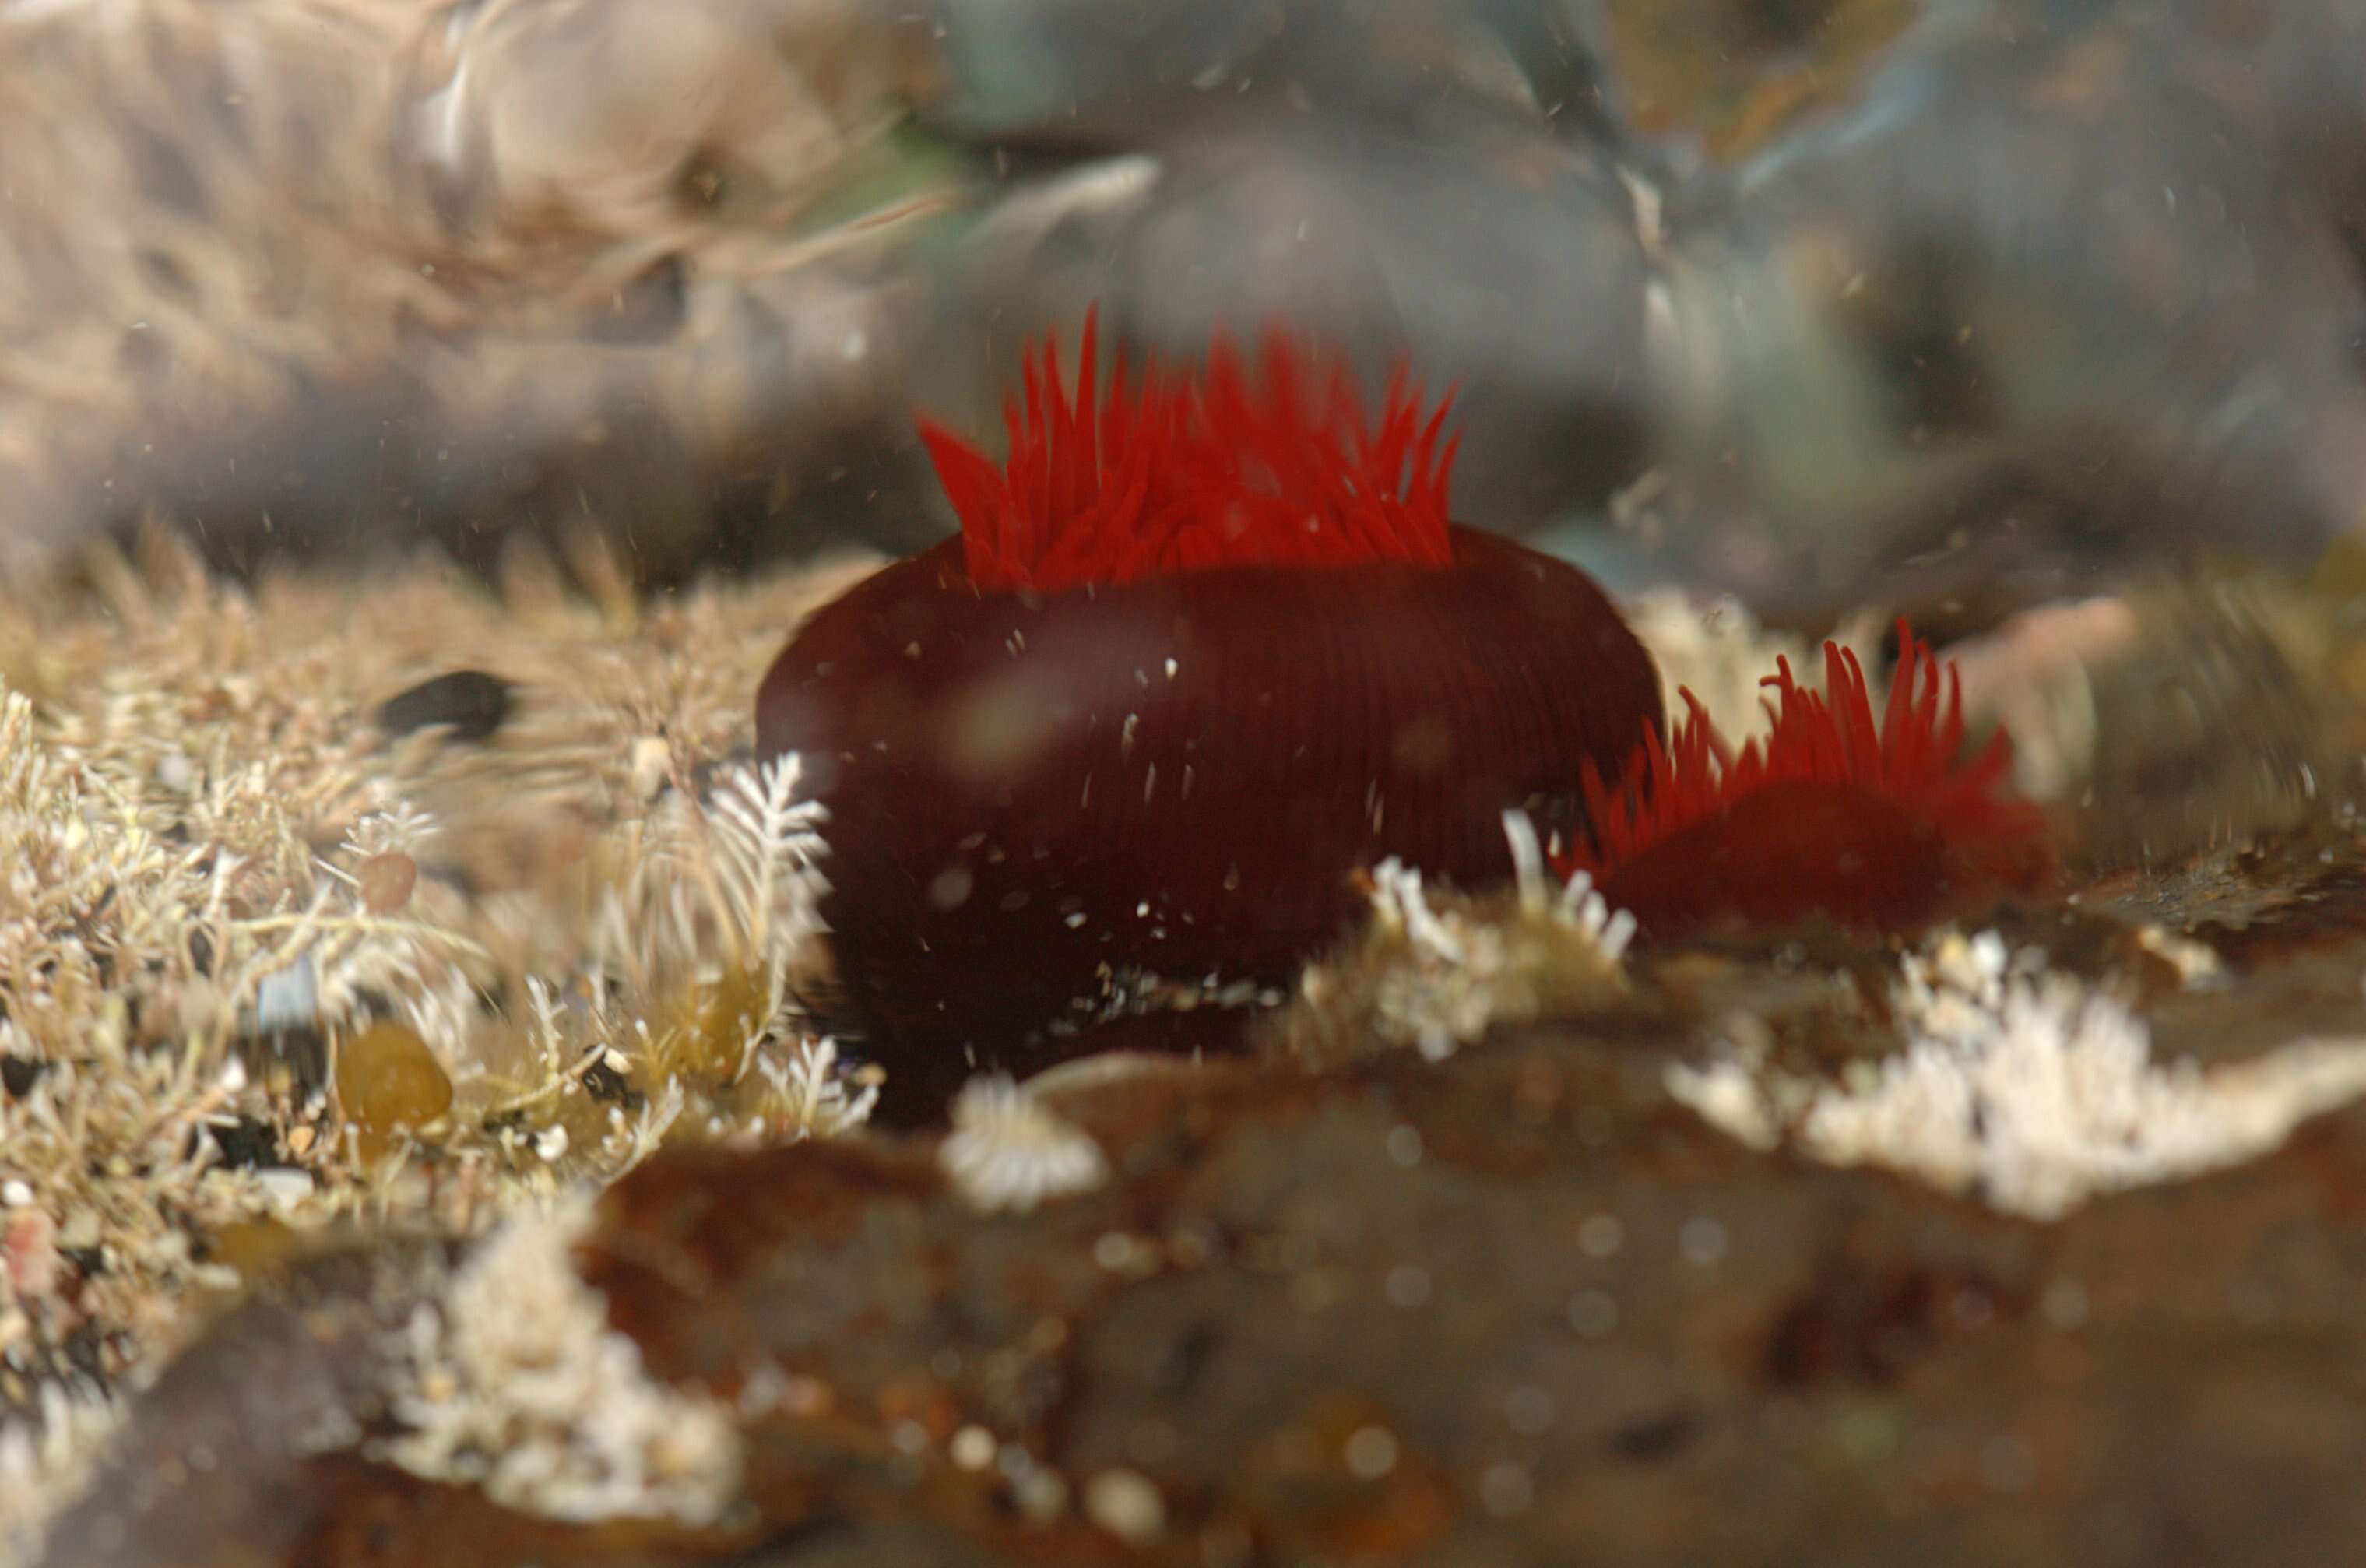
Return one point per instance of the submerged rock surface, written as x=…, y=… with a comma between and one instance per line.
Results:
x=1515, y=1306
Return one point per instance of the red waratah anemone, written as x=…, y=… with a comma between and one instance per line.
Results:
x=1204, y=647
x=1877, y=829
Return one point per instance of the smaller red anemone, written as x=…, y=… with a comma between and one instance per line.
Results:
x=1877, y=828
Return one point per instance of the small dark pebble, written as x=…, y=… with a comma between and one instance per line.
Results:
x=1660, y=1436
x=470, y=702
x=609, y=1087
x=246, y=1143
x=19, y=1074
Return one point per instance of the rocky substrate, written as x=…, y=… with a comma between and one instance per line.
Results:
x=1517, y=1306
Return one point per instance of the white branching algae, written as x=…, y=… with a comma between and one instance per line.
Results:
x=1435, y=973
x=696, y=942
x=1008, y=1150
x=514, y=1382
x=120, y=1085
x=816, y=1094
x=2027, y=1088
x=214, y=859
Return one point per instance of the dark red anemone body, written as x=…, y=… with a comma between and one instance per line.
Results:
x=1880, y=828
x=1199, y=655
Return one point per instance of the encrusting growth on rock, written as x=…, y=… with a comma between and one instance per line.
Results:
x=1008, y=1150
x=1438, y=972
x=2026, y=1085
